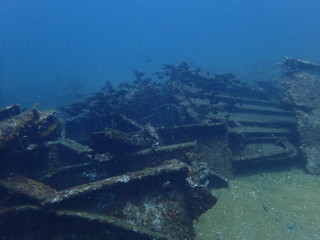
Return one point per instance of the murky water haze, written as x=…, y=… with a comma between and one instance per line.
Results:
x=54, y=52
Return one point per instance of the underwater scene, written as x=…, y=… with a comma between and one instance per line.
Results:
x=159, y=120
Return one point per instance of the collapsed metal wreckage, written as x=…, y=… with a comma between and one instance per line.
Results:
x=139, y=162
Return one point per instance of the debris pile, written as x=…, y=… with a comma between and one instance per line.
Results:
x=125, y=185
x=139, y=161
x=235, y=125
x=302, y=95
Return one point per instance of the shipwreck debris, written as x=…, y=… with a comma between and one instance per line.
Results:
x=152, y=200
x=302, y=95
x=294, y=64
x=9, y=111
x=28, y=189
x=114, y=141
x=139, y=161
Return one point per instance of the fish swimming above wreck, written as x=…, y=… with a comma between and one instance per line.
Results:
x=140, y=161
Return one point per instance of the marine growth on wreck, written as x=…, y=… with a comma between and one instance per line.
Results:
x=140, y=161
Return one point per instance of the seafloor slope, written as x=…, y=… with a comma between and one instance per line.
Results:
x=282, y=204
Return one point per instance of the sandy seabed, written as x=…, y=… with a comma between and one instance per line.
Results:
x=273, y=205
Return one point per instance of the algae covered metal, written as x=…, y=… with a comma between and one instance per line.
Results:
x=139, y=161
x=302, y=94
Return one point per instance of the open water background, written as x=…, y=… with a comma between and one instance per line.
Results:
x=54, y=52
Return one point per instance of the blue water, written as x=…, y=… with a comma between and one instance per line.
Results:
x=54, y=52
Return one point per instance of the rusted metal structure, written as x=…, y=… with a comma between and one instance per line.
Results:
x=138, y=162
x=302, y=95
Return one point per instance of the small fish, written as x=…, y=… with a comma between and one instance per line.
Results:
x=146, y=59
